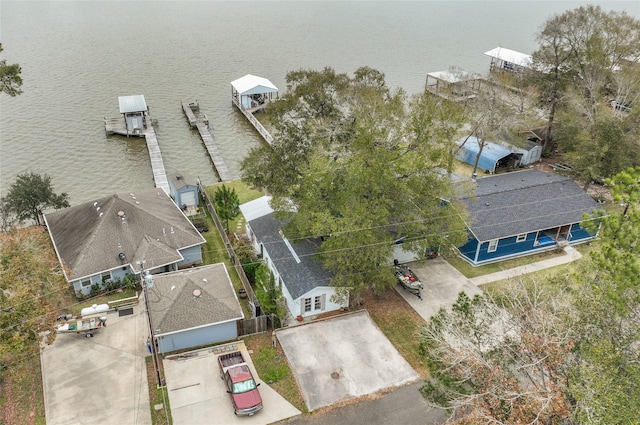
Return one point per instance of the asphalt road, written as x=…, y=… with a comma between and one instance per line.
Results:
x=403, y=406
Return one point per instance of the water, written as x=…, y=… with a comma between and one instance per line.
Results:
x=78, y=57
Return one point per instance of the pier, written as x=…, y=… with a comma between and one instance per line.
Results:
x=251, y=94
x=201, y=122
x=136, y=121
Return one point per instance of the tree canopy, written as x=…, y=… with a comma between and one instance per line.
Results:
x=589, y=79
x=10, y=79
x=364, y=166
x=31, y=194
x=227, y=204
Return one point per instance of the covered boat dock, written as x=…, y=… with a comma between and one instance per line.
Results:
x=455, y=85
x=508, y=60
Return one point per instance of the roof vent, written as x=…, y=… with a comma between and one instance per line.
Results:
x=197, y=293
x=178, y=177
x=120, y=213
x=122, y=257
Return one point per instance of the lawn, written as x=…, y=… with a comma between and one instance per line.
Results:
x=470, y=271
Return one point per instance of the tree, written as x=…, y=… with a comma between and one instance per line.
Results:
x=587, y=62
x=6, y=218
x=10, y=80
x=269, y=293
x=31, y=194
x=30, y=274
x=227, y=204
x=500, y=361
x=362, y=167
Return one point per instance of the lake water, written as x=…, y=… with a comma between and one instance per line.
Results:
x=78, y=57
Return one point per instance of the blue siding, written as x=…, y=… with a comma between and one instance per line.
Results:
x=115, y=274
x=197, y=337
x=507, y=247
x=578, y=233
x=191, y=255
x=468, y=250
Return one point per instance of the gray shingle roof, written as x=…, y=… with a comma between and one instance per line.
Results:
x=299, y=278
x=178, y=309
x=525, y=201
x=89, y=237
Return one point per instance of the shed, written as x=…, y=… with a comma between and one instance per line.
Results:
x=193, y=307
x=253, y=92
x=508, y=60
x=498, y=154
x=184, y=190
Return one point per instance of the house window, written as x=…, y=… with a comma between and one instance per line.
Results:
x=105, y=276
x=85, y=283
x=317, y=303
x=521, y=237
x=493, y=245
x=307, y=305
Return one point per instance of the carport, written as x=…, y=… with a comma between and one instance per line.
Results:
x=342, y=358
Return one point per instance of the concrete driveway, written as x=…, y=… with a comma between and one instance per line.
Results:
x=197, y=395
x=342, y=358
x=442, y=284
x=99, y=380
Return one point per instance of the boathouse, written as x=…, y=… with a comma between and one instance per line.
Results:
x=508, y=60
x=522, y=213
x=252, y=92
x=456, y=85
x=134, y=112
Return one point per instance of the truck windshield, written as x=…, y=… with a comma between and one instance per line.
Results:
x=244, y=386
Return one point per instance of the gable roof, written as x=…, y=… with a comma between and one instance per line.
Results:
x=174, y=306
x=147, y=226
x=251, y=84
x=299, y=277
x=525, y=201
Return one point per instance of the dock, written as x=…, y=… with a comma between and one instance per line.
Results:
x=136, y=121
x=254, y=121
x=201, y=122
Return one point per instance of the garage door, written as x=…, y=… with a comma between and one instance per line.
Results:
x=188, y=198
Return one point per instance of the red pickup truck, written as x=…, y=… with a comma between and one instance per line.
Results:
x=241, y=386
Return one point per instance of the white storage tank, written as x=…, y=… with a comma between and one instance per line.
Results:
x=94, y=309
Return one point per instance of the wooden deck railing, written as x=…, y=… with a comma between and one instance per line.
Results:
x=258, y=126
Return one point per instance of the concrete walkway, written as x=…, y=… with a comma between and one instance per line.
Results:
x=570, y=255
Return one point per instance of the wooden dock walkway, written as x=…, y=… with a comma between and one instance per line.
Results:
x=201, y=122
x=253, y=120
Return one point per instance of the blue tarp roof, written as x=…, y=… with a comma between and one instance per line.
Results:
x=491, y=153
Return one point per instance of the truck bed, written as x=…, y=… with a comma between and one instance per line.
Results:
x=230, y=359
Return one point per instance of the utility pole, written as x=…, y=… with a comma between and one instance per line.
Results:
x=147, y=282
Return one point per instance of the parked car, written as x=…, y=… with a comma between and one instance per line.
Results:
x=241, y=386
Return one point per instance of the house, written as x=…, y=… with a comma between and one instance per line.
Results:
x=193, y=307
x=496, y=155
x=183, y=190
x=522, y=213
x=303, y=280
x=121, y=234
x=252, y=92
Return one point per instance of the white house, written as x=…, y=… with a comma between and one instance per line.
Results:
x=303, y=280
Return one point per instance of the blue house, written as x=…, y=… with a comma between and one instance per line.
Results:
x=522, y=213
x=119, y=235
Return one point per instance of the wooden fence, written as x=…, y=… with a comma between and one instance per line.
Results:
x=252, y=326
x=232, y=255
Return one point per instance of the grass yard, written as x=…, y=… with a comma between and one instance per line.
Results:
x=470, y=271
x=400, y=324
x=157, y=397
x=273, y=368
x=21, y=393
